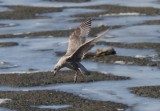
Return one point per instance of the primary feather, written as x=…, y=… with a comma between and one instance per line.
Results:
x=77, y=38
x=77, y=48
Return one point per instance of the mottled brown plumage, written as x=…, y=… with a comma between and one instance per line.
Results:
x=77, y=48
x=77, y=38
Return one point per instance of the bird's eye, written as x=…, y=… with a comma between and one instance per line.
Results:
x=55, y=69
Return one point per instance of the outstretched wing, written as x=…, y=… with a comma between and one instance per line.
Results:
x=84, y=48
x=77, y=38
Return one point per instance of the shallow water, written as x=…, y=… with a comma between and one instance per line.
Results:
x=52, y=106
x=43, y=3
x=116, y=91
x=4, y=101
x=136, y=34
x=5, y=109
x=38, y=54
x=52, y=21
x=28, y=53
x=3, y=9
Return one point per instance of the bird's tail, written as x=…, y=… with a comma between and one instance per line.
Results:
x=82, y=69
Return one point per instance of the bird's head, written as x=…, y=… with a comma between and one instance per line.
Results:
x=56, y=68
x=59, y=65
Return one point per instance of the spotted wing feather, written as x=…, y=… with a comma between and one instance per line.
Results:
x=84, y=48
x=77, y=38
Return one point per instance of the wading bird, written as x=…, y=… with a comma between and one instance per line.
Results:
x=77, y=48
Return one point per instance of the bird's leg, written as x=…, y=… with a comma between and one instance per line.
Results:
x=75, y=77
x=54, y=74
x=83, y=76
x=82, y=71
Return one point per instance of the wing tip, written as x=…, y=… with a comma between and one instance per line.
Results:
x=88, y=21
x=104, y=32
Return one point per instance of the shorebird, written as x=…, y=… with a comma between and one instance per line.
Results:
x=77, y=48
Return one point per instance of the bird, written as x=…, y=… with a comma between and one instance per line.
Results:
x=77, y=48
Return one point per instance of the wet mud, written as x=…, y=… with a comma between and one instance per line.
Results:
x=55, y=33
x=25, y=100
x=147, y=91
x=152, y=22
x=8, y=44
x=113, y=58
x=143, y=45
x=46, y=78
x=125, y=60
x=76, y=1
x=109, y=9
x=26, y=12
